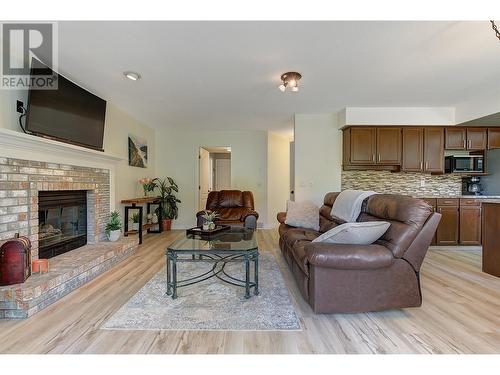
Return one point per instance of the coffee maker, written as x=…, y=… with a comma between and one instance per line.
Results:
x=471, y=185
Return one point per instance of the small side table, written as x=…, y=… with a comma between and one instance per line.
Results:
x=136, y=204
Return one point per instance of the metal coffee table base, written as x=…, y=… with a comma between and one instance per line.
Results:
x=218, y=270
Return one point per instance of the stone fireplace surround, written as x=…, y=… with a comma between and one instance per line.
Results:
x=20, y=182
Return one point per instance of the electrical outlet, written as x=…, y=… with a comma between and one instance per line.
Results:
x=422, y=182
x=19, y=106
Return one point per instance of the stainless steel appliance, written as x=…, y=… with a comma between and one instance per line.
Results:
x=464, y=164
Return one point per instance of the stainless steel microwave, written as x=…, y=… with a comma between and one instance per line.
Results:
x=464, y=164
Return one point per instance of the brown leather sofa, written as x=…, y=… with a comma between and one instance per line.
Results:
x=337, y=278
x=235, y=208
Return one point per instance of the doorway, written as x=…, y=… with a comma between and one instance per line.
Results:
x=214, y=171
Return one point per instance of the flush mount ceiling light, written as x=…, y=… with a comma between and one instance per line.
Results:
x=133, y=76
x=290, y=79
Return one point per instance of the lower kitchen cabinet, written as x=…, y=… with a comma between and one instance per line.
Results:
x=470, y=222
x=447, y=232
x=460, y=221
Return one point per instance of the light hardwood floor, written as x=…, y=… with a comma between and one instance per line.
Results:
x=460, y=314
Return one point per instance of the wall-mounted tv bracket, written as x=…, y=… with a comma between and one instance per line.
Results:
x=20, y=109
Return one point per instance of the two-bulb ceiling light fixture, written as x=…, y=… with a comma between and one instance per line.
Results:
x=291, y=80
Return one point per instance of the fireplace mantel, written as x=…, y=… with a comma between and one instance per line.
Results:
x=20, y=141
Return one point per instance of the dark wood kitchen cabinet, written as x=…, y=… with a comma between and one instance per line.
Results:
x=447, y=231
x=372, y=146
x=477, y=138
x=470, y=225
x=423, y=150
x=490, y=230
x=466, y=138
x=363, y=145
x=434, y=150
x=460, y=221
x=455, y=139
x=413, y=150
x=388, y=146
x=493, y=138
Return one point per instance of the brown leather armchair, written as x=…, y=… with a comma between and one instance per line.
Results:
x=235, y=208
x=358, y=278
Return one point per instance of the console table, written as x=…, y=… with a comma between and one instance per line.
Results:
x=136, y=204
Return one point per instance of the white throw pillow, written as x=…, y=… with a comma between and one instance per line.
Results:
x=364, y=233
x=302, y=215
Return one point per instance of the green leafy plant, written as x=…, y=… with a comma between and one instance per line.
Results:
x=209, y=216
x=166, y=188
x=135, y=218
x=114, y=222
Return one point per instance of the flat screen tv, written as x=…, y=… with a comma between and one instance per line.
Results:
x=70, y=114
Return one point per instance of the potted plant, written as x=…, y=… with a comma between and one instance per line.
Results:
x=209, y=219
x=135, y=221
x=113, y=226
x=166, y=188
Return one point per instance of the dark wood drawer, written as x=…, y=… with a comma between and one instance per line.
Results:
x=430, y=201
x=469, y=202
x=448, y=201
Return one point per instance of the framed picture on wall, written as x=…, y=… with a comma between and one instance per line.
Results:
x=137, y=151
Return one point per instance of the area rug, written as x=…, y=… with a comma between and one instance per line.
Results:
x=212, y=304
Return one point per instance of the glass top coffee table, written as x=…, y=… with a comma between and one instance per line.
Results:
x=233, y=245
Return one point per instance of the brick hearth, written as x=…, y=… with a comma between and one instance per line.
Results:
x=67, y=272
x=20, y=182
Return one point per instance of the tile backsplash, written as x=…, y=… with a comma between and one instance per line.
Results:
x=403, y=183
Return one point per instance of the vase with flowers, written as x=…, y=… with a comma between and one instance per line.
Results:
x=148, y=185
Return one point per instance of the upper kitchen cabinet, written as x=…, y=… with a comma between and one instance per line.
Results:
x=477, y=138
x=466, y=138
x=455, y=139
x=388, y=146
x=493, y=138
x=413, y=149
x=372, y=147
x=363, y=146
x=423, y=150
x=434, y=150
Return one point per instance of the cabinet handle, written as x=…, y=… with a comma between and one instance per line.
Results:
x=465, y=144
x=422, y=165
x=426, y=165
x=379, y=158
x=373, y=157
x=470, y=143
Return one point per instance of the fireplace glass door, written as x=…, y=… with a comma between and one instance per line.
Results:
x=62, y=220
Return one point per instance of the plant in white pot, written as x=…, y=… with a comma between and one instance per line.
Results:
x=209, y=219
x=135, y=221
x=114, y=226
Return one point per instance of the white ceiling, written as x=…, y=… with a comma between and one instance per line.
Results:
x=224, y=75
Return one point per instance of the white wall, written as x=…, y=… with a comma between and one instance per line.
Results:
x=397, y=116
x=278, y=175
x=177, y=157
x=318, y=156
x=118, y=126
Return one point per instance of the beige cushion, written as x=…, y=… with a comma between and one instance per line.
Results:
x=364, y=233
x=302, y=215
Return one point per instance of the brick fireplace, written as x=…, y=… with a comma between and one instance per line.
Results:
x=21, y=181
